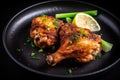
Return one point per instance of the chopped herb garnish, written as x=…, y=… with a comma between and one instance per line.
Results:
x=69, y=20
x=50, y=24
x=44, y=20
x=80, y=32
x=28, y=40
x=84, y=34
x=18, y=50
x=71, y=42
x=35, y=57
x=32, y=54
x=55, y=22
x=40, y=50
x=42, y=15
x=99, y=56
x=57, y=27
x=74, y=37
x=69, y=71
x=32, y=44
x=47, y=27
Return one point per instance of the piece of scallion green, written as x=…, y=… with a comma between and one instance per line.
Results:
x=28, y=40
x=71, y=42
x=72, y=14
x=99, y=56
x=32, y=54
x=40, y=50
x=68, y=20
x=69, y=71
x=35, y=57
x=32, y=44
x=18, y=49
x=55, y=22
x=42, y=15
x=106, y=46
x=57, y=27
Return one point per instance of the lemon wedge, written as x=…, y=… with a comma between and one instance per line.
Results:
x=86, y=21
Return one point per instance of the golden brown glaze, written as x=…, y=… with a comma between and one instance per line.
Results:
x=78, y=43
x=44, y=31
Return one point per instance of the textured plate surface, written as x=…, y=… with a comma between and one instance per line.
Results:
x=17, y=32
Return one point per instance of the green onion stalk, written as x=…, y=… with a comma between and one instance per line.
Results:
x=72, y=14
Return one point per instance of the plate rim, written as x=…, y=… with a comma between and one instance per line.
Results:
x=48, y=74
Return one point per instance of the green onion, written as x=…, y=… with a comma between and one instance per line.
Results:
x=69, y=20
x=55, y=22
x=18, y=50
x=71, y=42
x=40, y=50
x=72, y=14
x=47, y=27
x=84, y=34
x=32, y=54
x=42, y=15
x=35, y=57
x=91, y=12
x=57, y=27
x=69, y=71
x=44, y=20
x=80, y=32
x=74, y=37
x=99, y=56
x=106, y=46
x=64, y=15
x=32, y=44
x=28, y=40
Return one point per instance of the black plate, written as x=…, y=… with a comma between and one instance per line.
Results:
x=17, y=32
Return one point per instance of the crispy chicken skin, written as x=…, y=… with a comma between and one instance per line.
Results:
x=44, y=31
x=78, y=43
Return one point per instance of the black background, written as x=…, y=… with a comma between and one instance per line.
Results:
x=10, y=70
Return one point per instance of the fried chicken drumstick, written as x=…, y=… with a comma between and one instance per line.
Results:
x=44, y=31
x=78, y=43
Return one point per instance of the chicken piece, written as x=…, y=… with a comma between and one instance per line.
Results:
x=78, y=43
x=44, y=31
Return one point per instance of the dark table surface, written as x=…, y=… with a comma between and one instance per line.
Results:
x=10, y=70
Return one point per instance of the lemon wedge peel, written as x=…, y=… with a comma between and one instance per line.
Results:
x=86, y=21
